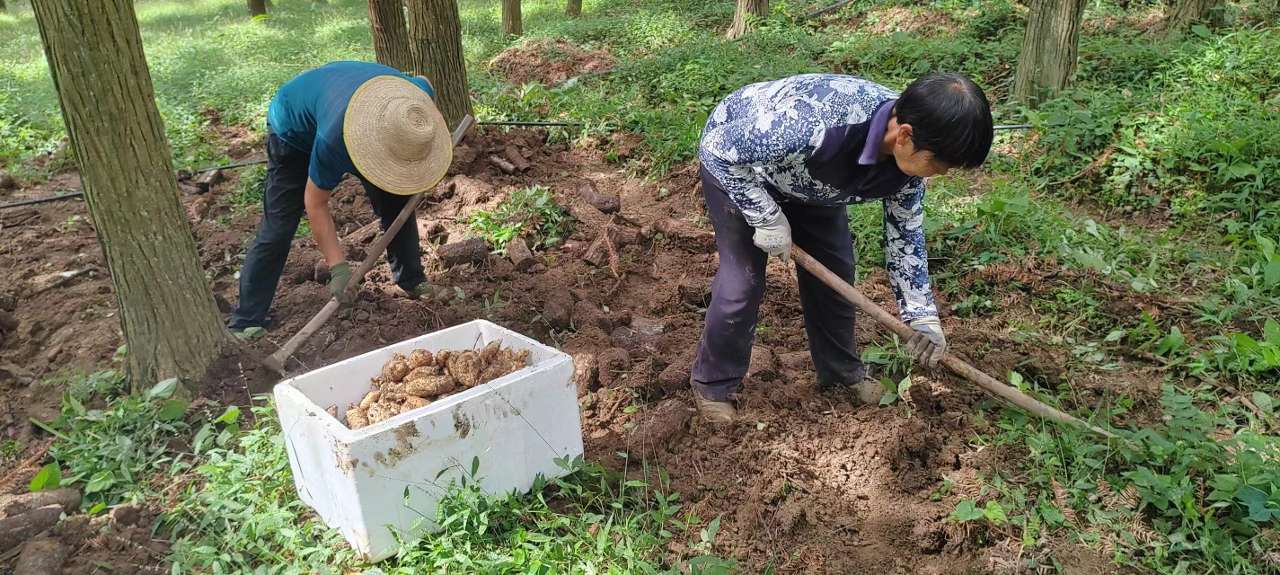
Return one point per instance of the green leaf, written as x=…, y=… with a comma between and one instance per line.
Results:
x=49, y=477
x=1271, y=274
x=172, y=410
x=994, y=512
x=1172, y=342
x=229, y=416
x=97, y=508
x=1271, y=332
x=1242, y=170
x=967, y=510
x=163, y=390
x=100, y=481
x=888, y=398
x=1267, y=246
x=1264, y=402
x=1115, y=335
x=1256, y=501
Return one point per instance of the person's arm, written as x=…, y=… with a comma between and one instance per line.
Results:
x=733, y=152
x=905, y=257
x=323, y=230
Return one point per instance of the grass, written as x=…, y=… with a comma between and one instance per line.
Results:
x=240, y=511
x=1152, y=181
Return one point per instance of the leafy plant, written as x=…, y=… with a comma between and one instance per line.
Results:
x=250, y=187
x=111, y=453
x=531, y=212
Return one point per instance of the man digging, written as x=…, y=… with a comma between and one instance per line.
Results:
x=358, y=118
x=779, y=162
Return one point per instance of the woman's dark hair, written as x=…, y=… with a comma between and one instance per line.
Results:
x=949, y=116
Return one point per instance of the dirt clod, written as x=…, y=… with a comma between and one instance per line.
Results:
x=928, y=536
x=16, y=529
x=586, y=373
x=763, y=366
x=688, y=237
x=558, y=310
x=66, y=498
x=467, y=251
x=41, y=556
x=606, y=203
x=658, y=427
x=614, y=363
x=520, y=254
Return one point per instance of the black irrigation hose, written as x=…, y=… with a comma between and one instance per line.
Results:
x=31, y=201
x=526, y=123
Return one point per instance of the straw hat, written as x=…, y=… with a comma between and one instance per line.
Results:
x=396, y=136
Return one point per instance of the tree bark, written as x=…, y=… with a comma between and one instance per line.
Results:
x=167, y=312
x=257, y=7
x=1181, y=14
x=746, y=9
x=1048, y=57
x=512, y=24
x=573, y=8
x=390, y=35
x=435, y=41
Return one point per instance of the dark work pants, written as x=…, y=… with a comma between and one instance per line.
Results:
x=282, y=208
x=725, y=350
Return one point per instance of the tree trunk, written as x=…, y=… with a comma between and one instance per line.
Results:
x=167, y=312
x=1048, y=57
x=390, y=36
x=511, y=21
x=435, y=41
x=2, y=6
x=573, y=8
x=742, y=15
x=257, y=7
x=1181, y=14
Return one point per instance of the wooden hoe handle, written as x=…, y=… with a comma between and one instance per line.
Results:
x=276, y=361
x=955, y=364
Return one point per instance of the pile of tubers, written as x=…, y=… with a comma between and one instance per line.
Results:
x=407, y=383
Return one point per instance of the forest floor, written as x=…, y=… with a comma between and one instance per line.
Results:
x=1109, y=306
x=804, y=482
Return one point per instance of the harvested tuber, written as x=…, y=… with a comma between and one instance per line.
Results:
x=431, y=385
x=413, y=402
x=356, y=418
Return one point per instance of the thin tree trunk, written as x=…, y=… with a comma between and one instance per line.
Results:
x=742, y=15
x=573, y=8
x=1048, y=57
x=167, y=312
x=257, y=7
x=511, y=21
x=1181, y=14
x=390, y=36
x=2, y=6
x=435, y=41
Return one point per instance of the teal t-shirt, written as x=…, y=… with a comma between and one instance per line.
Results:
x=307, y=113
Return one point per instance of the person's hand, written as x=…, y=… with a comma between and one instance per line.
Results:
x=339, y=275
x=774, y=237
x=928, y=345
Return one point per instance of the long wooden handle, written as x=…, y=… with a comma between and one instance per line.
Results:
x=277, y=359
x=955, y=364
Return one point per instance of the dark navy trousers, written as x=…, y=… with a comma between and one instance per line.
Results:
x=282, y=209
x=725, y=350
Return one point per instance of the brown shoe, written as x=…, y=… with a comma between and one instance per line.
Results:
x=865, y=392
x=715, y=411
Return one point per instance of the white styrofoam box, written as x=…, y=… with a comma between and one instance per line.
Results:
x=356, y=480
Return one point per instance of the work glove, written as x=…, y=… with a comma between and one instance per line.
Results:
x=339, y=275
x=928, y=345
x=774, y=237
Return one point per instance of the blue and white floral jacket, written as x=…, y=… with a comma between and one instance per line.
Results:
x=814, y=139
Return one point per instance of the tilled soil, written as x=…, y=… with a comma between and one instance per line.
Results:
x=805, y=482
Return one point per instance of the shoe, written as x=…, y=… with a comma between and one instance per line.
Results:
x=865, y=392
x=429, y=292
x=249, y=333
x=715, y=411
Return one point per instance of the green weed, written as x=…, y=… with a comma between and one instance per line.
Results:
x=529, y=212
x=250, y=188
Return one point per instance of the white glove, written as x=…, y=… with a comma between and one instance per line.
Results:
x=928, y=345
x=774, y=237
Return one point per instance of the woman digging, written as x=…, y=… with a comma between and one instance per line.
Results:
x=779, y=162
